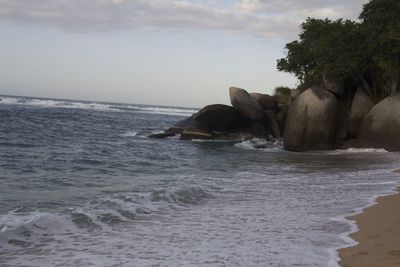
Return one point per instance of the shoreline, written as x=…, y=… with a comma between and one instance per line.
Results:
x=377, y=235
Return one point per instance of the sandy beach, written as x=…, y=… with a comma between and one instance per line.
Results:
x=378, y=236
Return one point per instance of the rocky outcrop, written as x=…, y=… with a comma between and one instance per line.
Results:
x=267, y=102
x=221, y=118
x=311, y=121
x=199, y=134
x=213, y=121
x=381, y=126
x=360, y=107
x=245, y=104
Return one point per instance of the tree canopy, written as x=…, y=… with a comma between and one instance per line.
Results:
x=366, y=53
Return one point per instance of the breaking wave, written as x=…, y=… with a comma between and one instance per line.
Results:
x=18, y=228
x=261, y=144
x=110, y=107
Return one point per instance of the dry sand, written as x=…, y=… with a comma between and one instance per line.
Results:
x=379, y=236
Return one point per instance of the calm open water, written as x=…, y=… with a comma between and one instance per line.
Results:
x=81, y=185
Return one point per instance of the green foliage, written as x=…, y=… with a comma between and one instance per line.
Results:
x=366, y=52
x=282, y=90
x=381, y=27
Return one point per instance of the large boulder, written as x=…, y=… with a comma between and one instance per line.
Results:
x=381, y=126
x=245, y=104
x=311, y=121
x=266, y=101
x=360, y=107
x=221, y=118
x=213, y=121
x=181, y=125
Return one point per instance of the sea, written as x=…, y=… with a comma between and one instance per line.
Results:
x=83, y=185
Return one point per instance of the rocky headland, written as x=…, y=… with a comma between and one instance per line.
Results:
x=323, y=117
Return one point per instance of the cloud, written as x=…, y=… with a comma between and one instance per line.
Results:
x=254, y=17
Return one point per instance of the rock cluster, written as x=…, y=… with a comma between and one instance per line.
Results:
x=321, y=117
x=325, y=119
x=251, y=115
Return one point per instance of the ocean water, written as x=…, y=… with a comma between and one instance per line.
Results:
x=81, y=185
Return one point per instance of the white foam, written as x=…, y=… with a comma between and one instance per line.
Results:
x=357, y=150
x=334, y=258
x=50, y=103
x=261, y=144
x=165, y=110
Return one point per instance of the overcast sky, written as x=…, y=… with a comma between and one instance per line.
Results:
x=165, y=52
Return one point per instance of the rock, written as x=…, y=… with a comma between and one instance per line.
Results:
x=213, y=121
x=360, y=107
x=265, y=101
x=183, y=124
x=190, y=134
x=272, y=124
x=381, y=126
x=333, y=84
x=311, y=121
x=162, y=135
x=245, y=104
x=221, y=118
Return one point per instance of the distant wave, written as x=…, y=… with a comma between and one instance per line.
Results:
x=52, y=103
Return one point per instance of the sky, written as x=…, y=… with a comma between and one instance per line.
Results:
x=159, y=52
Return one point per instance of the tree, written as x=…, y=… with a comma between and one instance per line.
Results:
x=365, y=53
x=381, y=27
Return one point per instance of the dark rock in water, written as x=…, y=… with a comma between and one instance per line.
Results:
x=311, y=121
x=334, y=84
x=162, y=135
x=213, y=121
x=191, y=134
x=221, y=118
x=180, y=126
x=245, y=104
x=360, y=107
x=381, y=126
x=265, y=101
x=272, y=124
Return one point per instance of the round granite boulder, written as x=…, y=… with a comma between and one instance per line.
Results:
x=360, y=107
x=267, y=102
x=381, y=126
x=311, y=121
x=245, y=104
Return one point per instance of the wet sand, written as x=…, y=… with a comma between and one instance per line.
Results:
x=378, y=236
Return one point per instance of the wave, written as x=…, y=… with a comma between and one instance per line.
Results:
x=261, y=144
x=20, y=228
x=357, y=150
x=164, y=110
x=52, y=103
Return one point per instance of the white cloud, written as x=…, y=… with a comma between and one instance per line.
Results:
x=255, y=17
